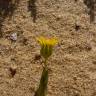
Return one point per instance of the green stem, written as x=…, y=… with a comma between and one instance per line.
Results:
x=42, y=89
x=45, y=63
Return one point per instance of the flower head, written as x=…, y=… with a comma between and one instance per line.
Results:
x=46, y=46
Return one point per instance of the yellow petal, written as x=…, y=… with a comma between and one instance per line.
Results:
x=46, y=41
x=41, y=40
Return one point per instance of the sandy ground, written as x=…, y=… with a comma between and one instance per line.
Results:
x=73, y=63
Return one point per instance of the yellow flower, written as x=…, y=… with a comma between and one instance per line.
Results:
x=46, y=46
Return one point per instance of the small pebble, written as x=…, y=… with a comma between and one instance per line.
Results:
x=25, y=41
x=76, y=0
x=12, y=71
x=94, y=62
x=13, y=36
x=77, y=27
x=37, y=57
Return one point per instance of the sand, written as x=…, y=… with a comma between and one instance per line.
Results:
x=73, y=62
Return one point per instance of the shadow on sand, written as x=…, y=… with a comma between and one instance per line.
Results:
x=91, y=6
x=7, y=8
x=32, y=8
